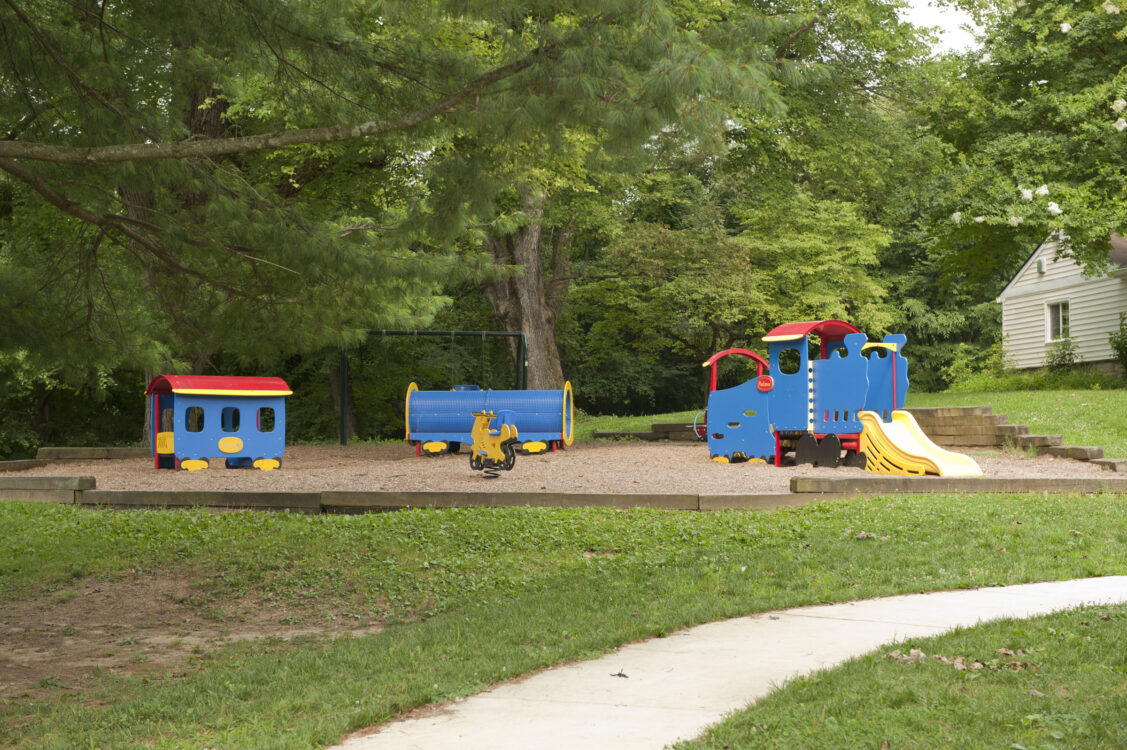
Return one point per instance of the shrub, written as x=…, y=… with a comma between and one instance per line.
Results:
x=1075, y=380
x=1061, y=356
x=1118, y=340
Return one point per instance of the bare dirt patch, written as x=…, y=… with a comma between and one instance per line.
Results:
x=147, y=625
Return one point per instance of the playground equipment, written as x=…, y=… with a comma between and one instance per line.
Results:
x=847, y=399
x=197, y=417
x=901, y=447
x=441, y=421
x=493, y=451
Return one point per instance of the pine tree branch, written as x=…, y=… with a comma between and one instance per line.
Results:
x=54, y=54
x=24, y=123
x=113, y=222
x=280, y=139
x=286, y=63
x=795, y=35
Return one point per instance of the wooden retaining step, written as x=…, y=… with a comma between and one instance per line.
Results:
x=951, y=411
x=672, y=427
x=45, y=489
x=78, y=453
x=883, y=484
x=1037, y=441
x=625, y=435
x=680, y=431
x=674, y=431
x=985, y=431
x=960, y=421
x=1112, y=464
x=979, y=427
x=1078, y=452
x=21, y=464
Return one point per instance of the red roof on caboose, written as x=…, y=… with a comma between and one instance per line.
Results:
x=826, y=329
x=218, y=385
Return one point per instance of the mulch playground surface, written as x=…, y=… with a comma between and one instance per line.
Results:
x=630, y=468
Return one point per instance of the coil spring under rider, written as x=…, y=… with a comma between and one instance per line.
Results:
x=492, y=469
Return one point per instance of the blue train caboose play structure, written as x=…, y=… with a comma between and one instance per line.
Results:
x=200, y=417
x=811, y=406
x=442, y=421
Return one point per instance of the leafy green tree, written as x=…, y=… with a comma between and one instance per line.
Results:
x=794, y=220
x=145, y=139
x=1039, y=117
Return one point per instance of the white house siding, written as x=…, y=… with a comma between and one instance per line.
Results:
x=1094, y=305
x=1055, y=270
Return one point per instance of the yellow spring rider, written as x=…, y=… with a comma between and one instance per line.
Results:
x=492, y=451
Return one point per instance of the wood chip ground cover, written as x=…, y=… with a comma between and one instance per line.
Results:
x=600, y=467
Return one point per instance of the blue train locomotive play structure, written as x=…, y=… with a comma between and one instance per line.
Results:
x=811, y=406
x=442, y=421
x=200, y=417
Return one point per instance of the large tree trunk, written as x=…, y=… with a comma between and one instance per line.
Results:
x=531, y=302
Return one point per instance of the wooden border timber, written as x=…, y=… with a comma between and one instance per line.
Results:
x=881, y=485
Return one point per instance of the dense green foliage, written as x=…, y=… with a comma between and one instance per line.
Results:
x=634, y=185
x=1036, y=115
x=1118, y=341
x=507, y=591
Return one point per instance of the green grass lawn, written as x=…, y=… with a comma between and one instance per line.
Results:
x=585, y=425
x=1056, y=681
x=1094, y=417
x=474, y=597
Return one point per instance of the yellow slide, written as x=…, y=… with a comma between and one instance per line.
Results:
x=901, y=447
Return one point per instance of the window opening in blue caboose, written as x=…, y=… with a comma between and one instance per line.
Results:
x=790, y=360
x=166, y=420
x=230, y=419
x=266, y=419
x=193, y=419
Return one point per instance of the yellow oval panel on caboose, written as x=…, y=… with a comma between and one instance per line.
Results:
x=230, y=444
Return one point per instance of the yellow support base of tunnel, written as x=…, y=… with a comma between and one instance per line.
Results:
x=901, y=447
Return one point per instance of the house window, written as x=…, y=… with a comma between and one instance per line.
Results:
x=1058, y=321
x=266, y=419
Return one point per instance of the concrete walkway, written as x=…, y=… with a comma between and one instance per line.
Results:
x=654, y=693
